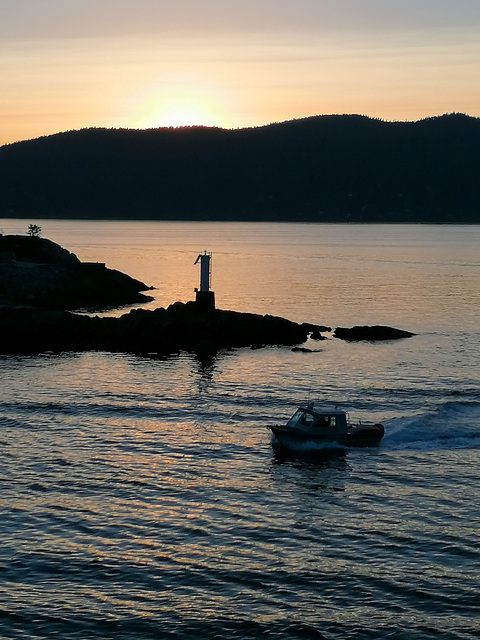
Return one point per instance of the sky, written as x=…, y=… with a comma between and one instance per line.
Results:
x=71, y=64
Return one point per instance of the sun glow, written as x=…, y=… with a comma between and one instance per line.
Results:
x=179, y=107
x=176, y=115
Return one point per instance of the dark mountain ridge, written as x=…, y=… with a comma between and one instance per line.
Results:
x=342, y=168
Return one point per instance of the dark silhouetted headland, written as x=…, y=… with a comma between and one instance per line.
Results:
x=38, y=272
x=341, y=168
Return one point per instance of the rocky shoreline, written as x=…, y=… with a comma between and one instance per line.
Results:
x=37, y=272
x=41, y=283
x=180, y=327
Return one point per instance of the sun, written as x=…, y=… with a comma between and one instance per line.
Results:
x=177, y=114
x=176, y=106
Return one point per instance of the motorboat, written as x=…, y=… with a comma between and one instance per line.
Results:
x=325, y=426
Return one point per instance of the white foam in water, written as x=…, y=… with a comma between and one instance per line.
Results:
x=453, y=425
x=316, y=446
x=308, y=446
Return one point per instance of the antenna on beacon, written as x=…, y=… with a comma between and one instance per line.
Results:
x=205, y=299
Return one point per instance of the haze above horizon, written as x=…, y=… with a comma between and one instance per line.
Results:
x=220, y=63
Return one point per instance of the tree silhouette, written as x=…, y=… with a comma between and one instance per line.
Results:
x=34, y=231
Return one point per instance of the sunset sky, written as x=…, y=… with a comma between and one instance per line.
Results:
x=149, y=63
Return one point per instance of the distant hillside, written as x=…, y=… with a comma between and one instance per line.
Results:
x=326, y=168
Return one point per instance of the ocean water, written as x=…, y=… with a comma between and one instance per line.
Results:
x=141, y=497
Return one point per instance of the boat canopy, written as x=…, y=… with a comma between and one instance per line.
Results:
x=307, y=418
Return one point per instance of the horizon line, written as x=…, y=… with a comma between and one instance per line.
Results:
x=261, y=126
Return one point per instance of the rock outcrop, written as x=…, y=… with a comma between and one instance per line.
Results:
x=38, y=272
x=370, y=333
x=162, y=331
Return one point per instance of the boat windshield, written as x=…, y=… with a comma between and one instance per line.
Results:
x=301, y=418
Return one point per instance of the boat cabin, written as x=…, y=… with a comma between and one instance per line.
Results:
x=309, y=419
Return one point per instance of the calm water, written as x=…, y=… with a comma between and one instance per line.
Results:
x=140, y=498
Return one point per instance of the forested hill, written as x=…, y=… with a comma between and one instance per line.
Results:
x=326, y=168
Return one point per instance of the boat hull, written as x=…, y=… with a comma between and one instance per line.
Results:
x=356, y=436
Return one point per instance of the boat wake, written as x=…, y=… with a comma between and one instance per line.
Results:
x=453, y=425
